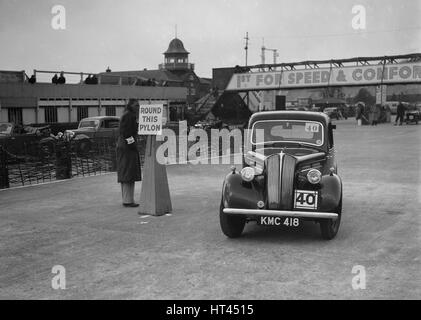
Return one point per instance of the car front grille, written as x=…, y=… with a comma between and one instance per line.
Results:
x=280, y=181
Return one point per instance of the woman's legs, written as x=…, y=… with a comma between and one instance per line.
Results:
x=127, y=192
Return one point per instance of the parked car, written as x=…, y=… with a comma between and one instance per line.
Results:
x=208, y=124
x=393, y=105
x=333, y=113
x=289, y=175
x=92, y=128
x=412, y=116
x=25, y=140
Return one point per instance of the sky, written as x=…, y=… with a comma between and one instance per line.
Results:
x=133, y=34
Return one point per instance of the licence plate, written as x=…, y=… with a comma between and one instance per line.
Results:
x=305, y=199
x=280, y=221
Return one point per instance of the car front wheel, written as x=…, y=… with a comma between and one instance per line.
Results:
x=232, y=226
x=47, y=148
x=329, y=227
x=83, y=147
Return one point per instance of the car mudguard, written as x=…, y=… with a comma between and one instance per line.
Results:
x=330, y=193
x=47, y=140
x=237, y=193
x=81, y=136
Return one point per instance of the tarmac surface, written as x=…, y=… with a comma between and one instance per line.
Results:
x=111, y=252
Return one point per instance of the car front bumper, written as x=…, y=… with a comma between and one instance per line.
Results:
x=282, y=213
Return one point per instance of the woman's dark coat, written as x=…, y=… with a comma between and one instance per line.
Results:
x=128, y=161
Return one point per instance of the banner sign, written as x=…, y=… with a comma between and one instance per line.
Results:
x=320, y=77
x=150, y=119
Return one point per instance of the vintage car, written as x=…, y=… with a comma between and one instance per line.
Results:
x=92, y=128
x=412, y=116
x=333, y=113
x=25, y=140
x=289, y=175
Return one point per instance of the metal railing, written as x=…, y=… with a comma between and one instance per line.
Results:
x=35, y=164
x=103, y=78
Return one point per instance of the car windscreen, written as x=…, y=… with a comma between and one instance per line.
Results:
x=89, y=124
x=5, y=128
x=278, y=131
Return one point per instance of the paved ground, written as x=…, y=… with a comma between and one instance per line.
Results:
x=111, y=252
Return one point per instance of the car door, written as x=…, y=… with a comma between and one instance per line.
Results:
x=108, y=128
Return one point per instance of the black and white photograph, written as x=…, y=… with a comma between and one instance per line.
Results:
x=210, y=155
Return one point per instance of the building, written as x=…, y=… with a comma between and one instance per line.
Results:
x=174, y=83
x=47, y=103
x=175, y=71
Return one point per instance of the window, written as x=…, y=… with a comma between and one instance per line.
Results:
x=89, y=124
x=82, y=112
x=111, y=123
x=284, y=131
x=15, y=115
x=110, y=111
x=50, y=114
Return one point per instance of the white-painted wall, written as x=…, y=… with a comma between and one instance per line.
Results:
x=3, y=115
x=93, y=111
x=29, y=115
x=63, y=114
x=73, y=115
x=119, y=111
x=41, y=115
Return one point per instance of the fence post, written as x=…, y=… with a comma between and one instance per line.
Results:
x=4, y=171
x=113, y=154
x=63, y=160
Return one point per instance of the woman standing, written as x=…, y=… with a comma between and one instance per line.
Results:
x=128, y=161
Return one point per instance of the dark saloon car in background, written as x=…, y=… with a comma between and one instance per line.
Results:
x=289, y=175
x=92, y=128
x=25, y=140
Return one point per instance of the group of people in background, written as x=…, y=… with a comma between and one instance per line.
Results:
x=91, y=79
x=378, y=113
x=59, y=80
x=56, y=79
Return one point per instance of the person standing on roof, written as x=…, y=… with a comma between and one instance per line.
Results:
x=54, y=79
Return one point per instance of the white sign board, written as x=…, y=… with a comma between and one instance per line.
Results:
x=150, y=119
x=359, y=75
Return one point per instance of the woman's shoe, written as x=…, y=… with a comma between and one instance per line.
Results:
x=131, y=205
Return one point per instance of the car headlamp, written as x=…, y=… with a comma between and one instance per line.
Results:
x=314, y=176
x=247, y=174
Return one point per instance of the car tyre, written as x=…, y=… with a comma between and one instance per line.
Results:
x=83, y=147
x=329, y=227
x=47, y=148
x=232, y=226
